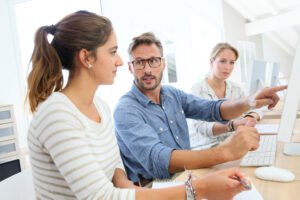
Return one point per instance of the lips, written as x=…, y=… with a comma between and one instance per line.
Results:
x=148, y=78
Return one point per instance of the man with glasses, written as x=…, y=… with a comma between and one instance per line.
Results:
x=150, y=120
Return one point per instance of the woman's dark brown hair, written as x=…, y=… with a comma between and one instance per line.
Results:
x=79, y=30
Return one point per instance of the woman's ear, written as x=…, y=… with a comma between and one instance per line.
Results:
x=83, y=57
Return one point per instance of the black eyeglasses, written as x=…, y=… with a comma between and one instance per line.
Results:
x=141, y=63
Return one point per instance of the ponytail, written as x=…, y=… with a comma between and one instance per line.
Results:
x=46, y=74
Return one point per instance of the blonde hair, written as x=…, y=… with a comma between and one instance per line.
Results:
x=220, y=47
x=79, y=30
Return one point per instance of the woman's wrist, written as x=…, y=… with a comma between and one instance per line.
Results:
x=199, y=186
x=230, y=126
x=252, y=115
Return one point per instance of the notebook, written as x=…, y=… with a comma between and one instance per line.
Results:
x=267, y=128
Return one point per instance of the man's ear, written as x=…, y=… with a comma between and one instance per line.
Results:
x=163, y=62
x=83, y=58
x=130, y=67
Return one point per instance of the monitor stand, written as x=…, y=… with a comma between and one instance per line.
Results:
x=292, y=149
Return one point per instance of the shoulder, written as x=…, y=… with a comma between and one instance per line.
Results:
x=56, y=102
x=55, y=112
x=172, y=91
x=128, y=103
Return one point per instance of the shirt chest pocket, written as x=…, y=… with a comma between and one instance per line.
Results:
x=180, y=116
x=164, y=135
x=161, y=129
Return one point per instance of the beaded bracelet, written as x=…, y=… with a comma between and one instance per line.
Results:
x=190, y=191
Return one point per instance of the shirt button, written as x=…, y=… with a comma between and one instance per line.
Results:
x=176, y=137
x=161, y=129
x=163, y=107
x=171, y=121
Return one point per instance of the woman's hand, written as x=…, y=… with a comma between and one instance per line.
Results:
x=220, y=185
x=247, y=121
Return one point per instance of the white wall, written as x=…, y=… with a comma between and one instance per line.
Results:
x=275, y=54
x=234, y=30
x=11, y=91
x=168, y=19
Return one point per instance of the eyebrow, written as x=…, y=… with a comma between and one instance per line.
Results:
x=114, y=48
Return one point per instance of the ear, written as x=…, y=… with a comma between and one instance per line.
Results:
x=84, y=59
x=163, y=63
x=211, y=61
x=130, y=67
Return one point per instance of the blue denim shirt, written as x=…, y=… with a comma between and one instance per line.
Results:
x=147, y=133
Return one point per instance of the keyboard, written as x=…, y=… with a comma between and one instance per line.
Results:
x=264, y=155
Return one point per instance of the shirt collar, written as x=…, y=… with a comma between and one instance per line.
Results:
x=144, y=100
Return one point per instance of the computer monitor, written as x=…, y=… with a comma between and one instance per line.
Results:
x=258, y=75
x=274, y=74
x=290, y=109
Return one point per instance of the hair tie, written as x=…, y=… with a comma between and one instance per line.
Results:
x=51, y=29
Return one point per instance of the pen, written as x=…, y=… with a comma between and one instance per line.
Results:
x=245, y=182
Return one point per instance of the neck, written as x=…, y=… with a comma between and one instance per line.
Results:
x=218, y=86
x=153, y=95
x=215, y=82
x=81, y=91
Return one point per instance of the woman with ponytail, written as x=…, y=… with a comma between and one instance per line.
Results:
x=73, y=149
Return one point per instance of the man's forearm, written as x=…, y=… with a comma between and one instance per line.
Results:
x=187, y=159
x=234, y=108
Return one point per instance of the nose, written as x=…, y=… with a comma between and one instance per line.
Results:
x=119, y=61
x=147, y=67
x=228, y=65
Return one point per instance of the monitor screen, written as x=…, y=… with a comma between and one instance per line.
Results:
x=258, y=75
x=274, y=74
x=290, y=109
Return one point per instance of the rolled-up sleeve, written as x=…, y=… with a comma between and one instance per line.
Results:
x=203, y=109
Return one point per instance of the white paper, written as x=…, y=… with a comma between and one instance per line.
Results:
x=166, y=184
x=252, y=194
x=267, y=128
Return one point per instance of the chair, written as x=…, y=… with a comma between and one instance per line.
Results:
x=18, y=187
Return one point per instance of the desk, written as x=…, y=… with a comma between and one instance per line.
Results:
x=269, y=190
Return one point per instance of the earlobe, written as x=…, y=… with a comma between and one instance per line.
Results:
x=84, y=58
x=89, y=65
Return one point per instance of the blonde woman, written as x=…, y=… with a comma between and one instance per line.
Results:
x=214, y=87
